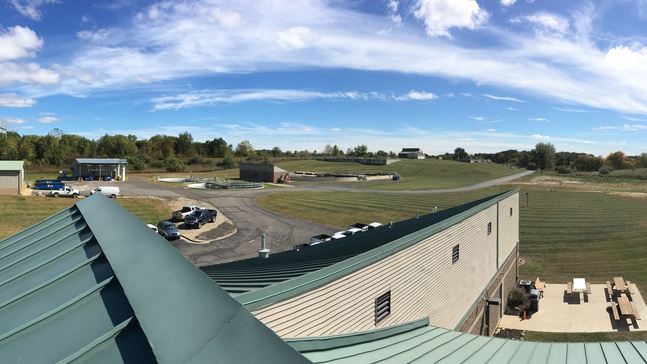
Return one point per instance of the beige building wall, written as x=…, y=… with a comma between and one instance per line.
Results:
x=422, y=279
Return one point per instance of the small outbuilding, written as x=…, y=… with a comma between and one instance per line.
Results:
x=263, y=173
x=411, y=153
x=12, y=177
x=100, y=169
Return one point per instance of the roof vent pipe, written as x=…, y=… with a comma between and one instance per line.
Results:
x=263, y=252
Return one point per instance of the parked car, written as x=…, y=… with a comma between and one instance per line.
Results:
x=200, y=217
x=66, y=191
x=374, y=225
x=359, y=225
x=110, y=191
x=318, y=239
x=352, y=231
x=168, y=230
x=186, y=211
x=338, y=235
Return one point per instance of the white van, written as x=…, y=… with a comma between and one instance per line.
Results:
x=109, y=191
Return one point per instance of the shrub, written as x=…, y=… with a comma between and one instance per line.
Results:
x=563, y=170
x=605, y=170
x=195, y=159
x=517, y=296
x=173, y=165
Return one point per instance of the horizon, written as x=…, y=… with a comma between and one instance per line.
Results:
x=432, y=74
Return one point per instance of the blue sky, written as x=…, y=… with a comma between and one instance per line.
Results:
x=485, y=76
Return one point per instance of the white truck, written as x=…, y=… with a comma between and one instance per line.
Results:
x=66, y=191
x=186, y=211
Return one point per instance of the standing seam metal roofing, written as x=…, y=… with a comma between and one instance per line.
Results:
x=94, y=284
x=257, y=282
x=416, y=342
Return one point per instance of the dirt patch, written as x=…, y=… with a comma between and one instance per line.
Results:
x=220, y=229
x=630, y=194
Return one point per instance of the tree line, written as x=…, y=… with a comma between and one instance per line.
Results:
x=174, y=153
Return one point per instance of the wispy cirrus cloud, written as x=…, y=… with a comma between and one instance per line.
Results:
x=502, y=98
x=216, y=97
x=537, y=119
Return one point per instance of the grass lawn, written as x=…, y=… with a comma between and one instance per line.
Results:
x=584, y=336
x=565, y=231
x=417, y=175
x=21, y=212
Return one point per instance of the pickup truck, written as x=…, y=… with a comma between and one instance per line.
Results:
x=66, y=191
x=186, y=211
x=200, y=217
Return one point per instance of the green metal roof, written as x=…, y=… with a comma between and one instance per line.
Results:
x=416, y=342
x=101, y=161
x=94, y=284
x=11, y=165
x=257, y=282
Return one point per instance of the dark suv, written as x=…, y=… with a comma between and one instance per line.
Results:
x=168, y=230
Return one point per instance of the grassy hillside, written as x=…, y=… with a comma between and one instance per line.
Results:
x=417, y=175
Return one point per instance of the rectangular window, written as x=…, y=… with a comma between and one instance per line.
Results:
x=489, y=228
x=455, y=254
x=382, y=307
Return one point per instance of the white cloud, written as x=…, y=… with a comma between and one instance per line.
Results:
x=439, y=16
x=216, y=97
x=479, y=118
x=490, y=130
x=15, y=100
x=421, y=95
x=47, y=120
x=634, y=127
x=605, y=128
x=502, y=98
x=295, y=38
x=539, y=136
x=30, y=8
x=26, y=73
x=18, y=42
x=14, y=120
x=392, y=6
x=507, y=2
x=537, y=119
x=545, y=22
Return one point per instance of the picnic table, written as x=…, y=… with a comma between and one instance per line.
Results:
x=619, y=286
x=625, y=309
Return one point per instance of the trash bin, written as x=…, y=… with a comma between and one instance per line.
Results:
x=525, y=285
x=534, y=300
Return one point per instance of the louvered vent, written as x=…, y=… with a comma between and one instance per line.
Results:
x=382, y=307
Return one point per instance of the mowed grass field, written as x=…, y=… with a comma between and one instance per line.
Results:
x=417, y=175
x=22, y=212
x=564, y=233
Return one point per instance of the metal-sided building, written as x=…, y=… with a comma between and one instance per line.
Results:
x=99, y=168
x=439, y=266
x=262, y=172
x=12, y=177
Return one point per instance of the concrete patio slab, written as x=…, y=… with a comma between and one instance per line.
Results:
x=579, y=312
